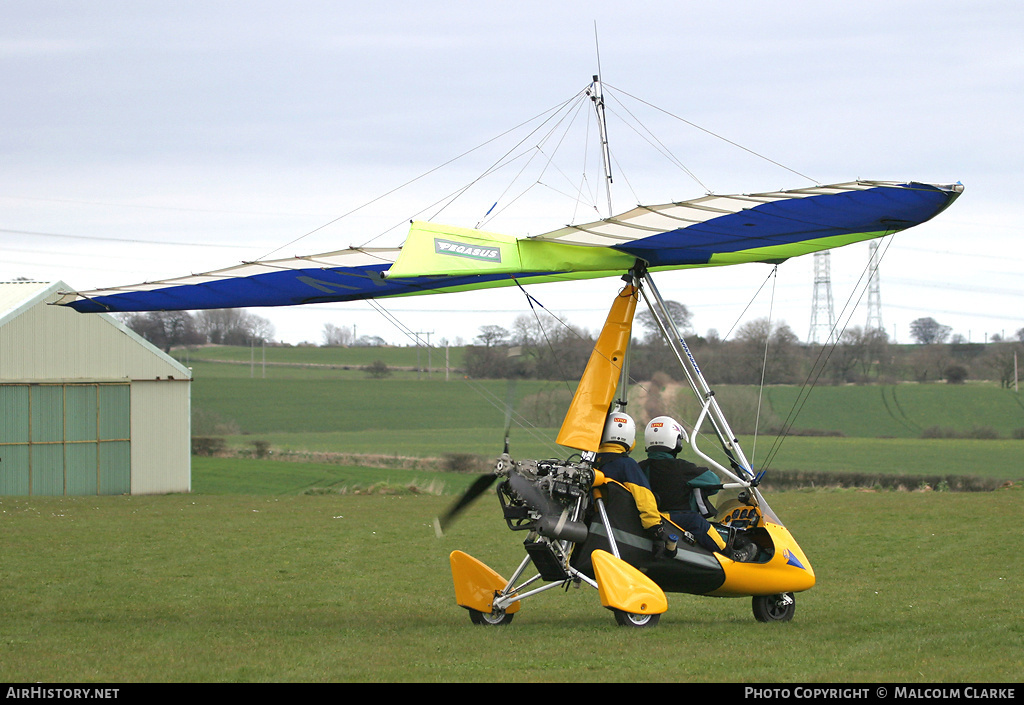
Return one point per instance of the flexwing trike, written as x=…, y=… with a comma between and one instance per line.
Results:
x=584, y=528
x=576, y=528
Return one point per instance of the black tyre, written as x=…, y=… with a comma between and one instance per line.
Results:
x=774, y=608
x=491, y=619
x=631, y=619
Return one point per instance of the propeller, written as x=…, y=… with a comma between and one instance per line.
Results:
x=479, y=486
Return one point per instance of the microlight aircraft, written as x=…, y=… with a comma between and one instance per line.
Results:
x=580, y=527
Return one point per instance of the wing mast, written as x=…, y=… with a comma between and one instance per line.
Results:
x=597, y=96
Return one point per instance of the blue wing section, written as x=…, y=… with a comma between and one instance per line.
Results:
x=279, y=288
x=875, y=211
x=710, y=231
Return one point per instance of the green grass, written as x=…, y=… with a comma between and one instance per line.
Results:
x=292, y=373
x=276, y=357
x=900, y=411
x=276, y=571
x=1000, y=459
x=387, y=406
x=271, y=587
x=433, y=418
x=233, y=476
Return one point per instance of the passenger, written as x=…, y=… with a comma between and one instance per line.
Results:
x=617, y=440
x=684, y=489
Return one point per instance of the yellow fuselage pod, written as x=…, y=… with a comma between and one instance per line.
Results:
x=787, y=571
x=589, y=409
x=476, y=584
x=623, y=587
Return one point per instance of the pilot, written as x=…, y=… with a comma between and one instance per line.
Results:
x=683, y=489
x=617, y=440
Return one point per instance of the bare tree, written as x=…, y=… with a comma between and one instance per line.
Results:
x=552, y=349
x=234, y=326
x=767, y=347
x=866, y=348
x=928, y=331
x=165, y=329
x=492, y=335
x=680, y=315
x=335, y=336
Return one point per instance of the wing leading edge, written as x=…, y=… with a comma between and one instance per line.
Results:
x=708, y=231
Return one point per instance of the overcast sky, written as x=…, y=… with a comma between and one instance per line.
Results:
x=142, y=140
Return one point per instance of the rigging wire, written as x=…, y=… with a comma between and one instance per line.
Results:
x=563, y=114
x=490, y=397
x=660, y=147
x=764, y=364
x=497, y=163
x=554, y=110
x=538, y=149
x=825, y=353
x=717, y=136
x=543, y=331
x=749, y=304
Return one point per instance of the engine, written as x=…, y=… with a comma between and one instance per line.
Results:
x=548, y=496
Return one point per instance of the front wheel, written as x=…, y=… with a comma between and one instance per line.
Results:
x=774, y=608
x=497, y=618
x=631, y=619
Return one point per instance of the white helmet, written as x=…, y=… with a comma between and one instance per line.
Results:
x=619, y=428
x=665, y=432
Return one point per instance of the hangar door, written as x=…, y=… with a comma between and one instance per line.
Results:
x=65, y=439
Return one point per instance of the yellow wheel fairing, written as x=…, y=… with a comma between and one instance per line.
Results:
x=623, y=587
x=476, y=584
x=787, y=571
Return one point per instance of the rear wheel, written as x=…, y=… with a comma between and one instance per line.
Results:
x=497, y=618
x=774, y=608
x=631, y=619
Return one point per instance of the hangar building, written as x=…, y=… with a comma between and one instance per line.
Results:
x=87, y=406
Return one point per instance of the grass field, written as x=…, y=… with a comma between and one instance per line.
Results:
x=903, y=410
x=320, y=409
x=263, y=584
x=273, y=571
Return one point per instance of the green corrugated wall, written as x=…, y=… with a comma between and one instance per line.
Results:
x=65, y=439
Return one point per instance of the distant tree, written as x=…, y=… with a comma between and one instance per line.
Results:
x=335, y=336
x=551, y=348
x=773, y=347
x=870, y=345
x=377, y=369
x=928, y=331
x=234, y=326
x=1020, y=334
x=955, y=374
x=929, y=362
x=484, y=362
x=165, y=329
x=1004, y=360
x=491, y=336
x=680, y=315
